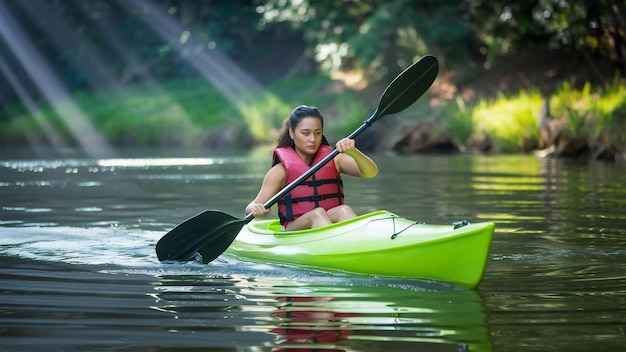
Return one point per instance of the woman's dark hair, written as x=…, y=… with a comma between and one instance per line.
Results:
x=292, y=121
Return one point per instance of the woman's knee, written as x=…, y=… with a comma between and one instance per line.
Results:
x=314, y=218
x=319, y=214
x=341, y=213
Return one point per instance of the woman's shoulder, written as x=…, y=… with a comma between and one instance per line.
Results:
x=275, y=176
x=277, y=170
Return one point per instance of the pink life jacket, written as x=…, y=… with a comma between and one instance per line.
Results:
x=323, y=189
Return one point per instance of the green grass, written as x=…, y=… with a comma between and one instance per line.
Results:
x=181, y=113
x=457, y=120
x=607, y=119
x=510, y=122
x=595, y=114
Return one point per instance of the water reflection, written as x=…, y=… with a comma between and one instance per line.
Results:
x=349, y=315
x=305, y=320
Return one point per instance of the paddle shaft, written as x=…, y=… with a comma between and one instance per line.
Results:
x=314, y=168
x=211, y=232
x=396, y=97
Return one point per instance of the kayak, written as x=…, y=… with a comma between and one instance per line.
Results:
x=380, y=243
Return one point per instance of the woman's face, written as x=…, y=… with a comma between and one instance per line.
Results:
x=307, y=137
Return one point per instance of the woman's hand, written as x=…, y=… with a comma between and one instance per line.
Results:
x=257, y=210
x=345, y=145
x=356, y=164
x=273, y=181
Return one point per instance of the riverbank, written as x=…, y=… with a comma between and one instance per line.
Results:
x=587, y=122
x=566, y=121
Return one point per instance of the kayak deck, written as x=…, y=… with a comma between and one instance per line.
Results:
x=379, y=243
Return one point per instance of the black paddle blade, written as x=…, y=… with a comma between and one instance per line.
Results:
x=182, y=242
x=408, y=86
x=220, y=239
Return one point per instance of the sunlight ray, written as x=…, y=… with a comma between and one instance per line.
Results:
x=53, y=137
x=61, y=34
x=127, y=53
x=237, y=86
x=232, y=82
x=134, y=67
x=51, y=87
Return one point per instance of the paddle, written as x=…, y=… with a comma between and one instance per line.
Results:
x=211, y=232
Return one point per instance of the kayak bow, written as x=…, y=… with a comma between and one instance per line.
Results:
x=379, y=243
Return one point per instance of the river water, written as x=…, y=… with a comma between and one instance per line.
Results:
x=78, y=271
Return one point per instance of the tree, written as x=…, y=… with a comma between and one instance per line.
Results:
x=593, y=28
x=377, y=37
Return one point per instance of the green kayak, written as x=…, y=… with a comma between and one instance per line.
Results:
x=379, y=243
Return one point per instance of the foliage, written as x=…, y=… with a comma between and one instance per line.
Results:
x=609, y=126
x=589, y=27
x=598, y=115
x=183, y=112
x=134, y=66
x=511, y=122
x=99, y=44
x=457, y=119
x=573, y=107
x=378, y=36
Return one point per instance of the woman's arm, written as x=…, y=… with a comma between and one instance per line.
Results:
x=273, y=182
x=358, y=164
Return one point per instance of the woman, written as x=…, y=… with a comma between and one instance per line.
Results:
x=317, y=201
